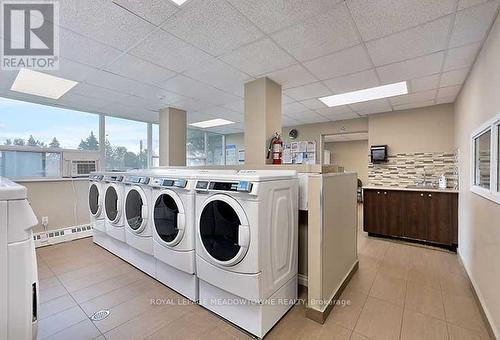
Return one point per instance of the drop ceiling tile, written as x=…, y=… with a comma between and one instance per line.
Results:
x=425, y=83
x=460, y=57
x=353, y=82
x=411, y=43
x=104, y=21
x=320, y=35
x=348, y=61
x=411, y=98
x=238, y=106
x=72, y=70
x=98, y=92
x=314, y=90
x=472, y=24
x=313, y=104
x=285, y=99
x=455, y=77
x=82, y=102
x=305, y=113
x=379, y=18
x=118, y=83
x=469, y=3
x=260, y=57
x=448, y=92
x=271, y=16
x=445, y=100
x=191, y=104
x=409, y=69
x=335, y=111
x=343, y=116
x=293, y=108
x=162, y=48
x=414, y=105
x=140, y=70
x=371, y=107
x=313, y=118
x=154, y=11
x=289, y=121
x=220, y=75
x=88, y=51
x=194, y=117
x=292, y=76
x=214, y=26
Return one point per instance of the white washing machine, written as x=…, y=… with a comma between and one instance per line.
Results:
x=172, y=222
x=96, y=202
x=18, y=268
x=246, y=246
x=138, y=235
x=114, y=216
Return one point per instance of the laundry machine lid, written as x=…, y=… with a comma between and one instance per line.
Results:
x=169, y=217
x=95, y=198
x=136, y=209
x=112, y=204
x=224, y=230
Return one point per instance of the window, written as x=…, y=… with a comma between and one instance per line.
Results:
x=31, y=136
x=485, y=151
x=155, y=154
x=482, y=155
x=204, y=148
x=126, y=143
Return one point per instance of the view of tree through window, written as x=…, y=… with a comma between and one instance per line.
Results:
x=126, y=144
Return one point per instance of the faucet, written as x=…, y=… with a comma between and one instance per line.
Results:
x=425, y=182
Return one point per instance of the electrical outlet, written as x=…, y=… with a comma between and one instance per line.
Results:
x=45, y=221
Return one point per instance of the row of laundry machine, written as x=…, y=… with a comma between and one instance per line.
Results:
x=225, y=239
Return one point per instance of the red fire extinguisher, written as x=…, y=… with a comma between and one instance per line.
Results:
x=276, y=148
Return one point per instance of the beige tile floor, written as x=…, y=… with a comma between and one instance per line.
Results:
x=399, y=292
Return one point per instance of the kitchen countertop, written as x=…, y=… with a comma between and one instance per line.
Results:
x=379, y=187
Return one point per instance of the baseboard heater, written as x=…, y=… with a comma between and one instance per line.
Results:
x=47, y=238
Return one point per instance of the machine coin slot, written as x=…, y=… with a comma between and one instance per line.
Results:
x=180, y=183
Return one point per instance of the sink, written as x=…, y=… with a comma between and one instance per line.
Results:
x=422, y=186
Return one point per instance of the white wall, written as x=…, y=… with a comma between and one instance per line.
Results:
x=479, y=226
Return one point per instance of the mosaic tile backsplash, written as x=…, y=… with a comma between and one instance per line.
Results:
x=406, y=169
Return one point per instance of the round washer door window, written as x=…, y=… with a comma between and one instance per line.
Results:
x=220, y=228
x=133, y=209
x=94, y=199
x=111, y=203
x=166, y=219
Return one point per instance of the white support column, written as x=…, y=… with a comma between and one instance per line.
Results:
x=262, y=118
x=173, y=130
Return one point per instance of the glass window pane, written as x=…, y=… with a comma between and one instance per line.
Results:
x=16, y=164
x=195, y=161
x=482, y=147
x=215, y=149
x=126, y=143
x=195, y=144
x=24, y=123
x=156, y=141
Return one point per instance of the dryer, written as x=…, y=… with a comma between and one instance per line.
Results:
x=172, y=223
x=114, y=216
x=138, y=236
x=95, y=201
x=246, y=246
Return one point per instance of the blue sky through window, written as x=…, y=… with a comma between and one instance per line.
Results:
x=20, y=119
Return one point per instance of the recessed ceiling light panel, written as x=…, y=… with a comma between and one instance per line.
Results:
x=372, y=93
x=212, y=123
x=178, y=2
x=41, y=84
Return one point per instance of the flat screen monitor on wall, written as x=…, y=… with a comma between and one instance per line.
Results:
x=378, y=153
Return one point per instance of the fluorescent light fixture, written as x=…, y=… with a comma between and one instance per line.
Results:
x=372, y=93
x=178, y=2
x=41, y=84
x=212, y=123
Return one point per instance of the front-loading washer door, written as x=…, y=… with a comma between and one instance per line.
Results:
x=94, y=200
x=136, y=209
x=112, y=204
x=169, y=218
x=224, y=230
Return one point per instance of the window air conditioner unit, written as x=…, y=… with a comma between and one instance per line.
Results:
x=76, y=163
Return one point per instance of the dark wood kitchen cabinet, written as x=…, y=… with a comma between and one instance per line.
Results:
x=429, y=217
